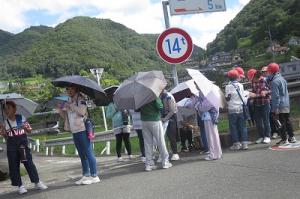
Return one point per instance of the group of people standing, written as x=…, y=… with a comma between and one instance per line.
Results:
x=268, y=96
x=269, y=101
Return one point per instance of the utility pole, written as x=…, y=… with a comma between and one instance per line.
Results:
x=97, y=72
x=272, y=44
x=167, y=24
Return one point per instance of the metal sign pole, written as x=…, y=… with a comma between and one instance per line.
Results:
x=167, y=24
x=97, y=72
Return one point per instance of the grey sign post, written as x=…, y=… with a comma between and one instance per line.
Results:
x=179, y=7
x=97, y=72
x=167, y=24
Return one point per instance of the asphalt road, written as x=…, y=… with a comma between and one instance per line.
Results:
x=256, y=173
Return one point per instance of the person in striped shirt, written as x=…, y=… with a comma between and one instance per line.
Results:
x=15, y=129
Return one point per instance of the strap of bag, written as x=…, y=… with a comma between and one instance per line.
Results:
x=12, y=130
x=238, y=94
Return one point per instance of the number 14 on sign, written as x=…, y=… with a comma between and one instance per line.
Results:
x=174, y=46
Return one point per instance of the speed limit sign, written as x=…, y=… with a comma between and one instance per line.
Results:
x=174, y=45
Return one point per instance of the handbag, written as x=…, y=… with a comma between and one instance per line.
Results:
x=245, y=107
x=88, y=123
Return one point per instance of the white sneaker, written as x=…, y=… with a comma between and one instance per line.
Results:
x=120, y=159
x=1, y=149
x=143, y=159
x=274, y=136
x=22, y=190
x=175, y=157
x=167, y=165
x=244, y=145
x=41, y=186
x=91, y=180
x=266, y=140
x=79, y=182
x=259, y=140
x=159, y=160
x=236, y=146
x=292, y=140
x=150, y=167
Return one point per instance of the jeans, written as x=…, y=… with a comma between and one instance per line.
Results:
x=125, y=137
x=262, y=120
x=14, y=167
x=86, y=154
x=287, y=127
x=202, y=133
x=237, y=127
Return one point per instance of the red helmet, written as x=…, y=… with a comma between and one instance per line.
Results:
x=241, y=72
x=273, y=68
x=233, y=73
x=250, y=74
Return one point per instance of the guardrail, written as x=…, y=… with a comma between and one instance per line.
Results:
x=99, y=137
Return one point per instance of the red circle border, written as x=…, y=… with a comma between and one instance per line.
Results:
x=165, y=57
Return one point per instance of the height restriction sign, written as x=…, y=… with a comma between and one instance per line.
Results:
x=174, y=45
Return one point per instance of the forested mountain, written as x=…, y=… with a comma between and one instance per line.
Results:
x=79, y=43
x=256, y=25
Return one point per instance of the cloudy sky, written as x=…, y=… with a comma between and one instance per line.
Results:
x=144, y=16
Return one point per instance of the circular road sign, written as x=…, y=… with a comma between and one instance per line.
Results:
x=174, y=45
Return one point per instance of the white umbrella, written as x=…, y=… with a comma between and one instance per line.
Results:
x=207, y=89
x=25, y=107
x=184, y=89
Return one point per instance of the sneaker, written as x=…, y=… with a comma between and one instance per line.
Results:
x=204, y=152
x=208, y=158
x=175, y=157
x=143, y=159
x=120, y=159
x=292, y=140
x=274, y=136
x=41, y=186
x=282, y=142
x=1, y=149
x=236, y=146
x=159, y=160
x=130, y=157
x=167, y=165
x=91, y=180
x=266, y=140
x=79, y=182
x=150, y=167
x=259, y=140
x=244, y=145
x=22, y=190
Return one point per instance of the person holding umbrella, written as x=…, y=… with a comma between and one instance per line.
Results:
x=73, y=112
x=15, y=128
x=122, y=132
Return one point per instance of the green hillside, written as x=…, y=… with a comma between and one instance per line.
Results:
x=77, y=44
x=249, y=31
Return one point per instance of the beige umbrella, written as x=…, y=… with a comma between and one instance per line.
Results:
x=139, y=90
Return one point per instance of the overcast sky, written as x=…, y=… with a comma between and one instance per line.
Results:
x=144, y=16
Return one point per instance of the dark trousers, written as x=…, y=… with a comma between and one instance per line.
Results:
x=186, y=134
x=14, y=167
x=141, y=141
x=202, y=134
x=125, y=138
x=172, y=134
x=272, y=125
x=287, y=128
x=262, y=120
